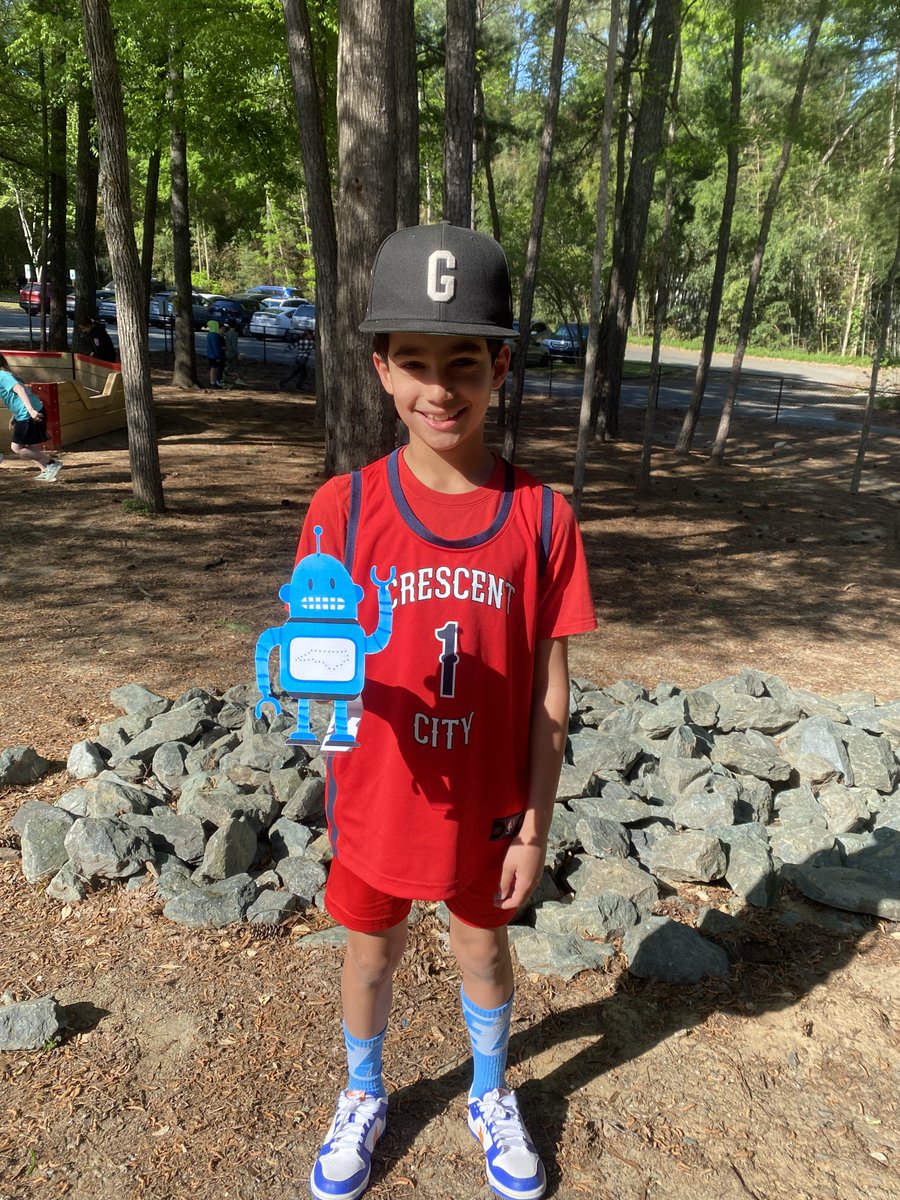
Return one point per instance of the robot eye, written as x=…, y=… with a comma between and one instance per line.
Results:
x=332, y=585
x=309, y=584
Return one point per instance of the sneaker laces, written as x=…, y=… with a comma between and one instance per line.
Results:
x=355, y=1110
x=500, y=1110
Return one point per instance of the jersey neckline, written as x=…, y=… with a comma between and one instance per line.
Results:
x=421, y=529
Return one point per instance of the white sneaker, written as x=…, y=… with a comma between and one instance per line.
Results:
x=514, y=1168
x=343, y=1166
x=50, y=472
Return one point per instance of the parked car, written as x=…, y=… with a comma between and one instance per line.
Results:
x=30, y=297
x=272, y=319
x=106, y=308
x=231, y=308
x=536, y=353
x=162, y=313
x=303, y=321
x=569, y=342
x=277, y=292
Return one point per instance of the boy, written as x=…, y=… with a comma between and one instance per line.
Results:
x=450, y=792
x=232, y=356
x=215, y=354
x=97, y=337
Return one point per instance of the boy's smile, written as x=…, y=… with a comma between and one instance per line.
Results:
x=441, y=386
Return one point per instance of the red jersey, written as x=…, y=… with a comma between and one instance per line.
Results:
x=438, y=783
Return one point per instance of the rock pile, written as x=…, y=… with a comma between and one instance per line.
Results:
x=743, y=782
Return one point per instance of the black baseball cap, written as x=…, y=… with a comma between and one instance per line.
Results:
x=440, y=279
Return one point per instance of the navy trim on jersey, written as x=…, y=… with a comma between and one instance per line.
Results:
x=546, y=527
x=352, y=518
x=476, y=539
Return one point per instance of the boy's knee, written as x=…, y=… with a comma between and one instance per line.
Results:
x=481, y=952
x=373, y=958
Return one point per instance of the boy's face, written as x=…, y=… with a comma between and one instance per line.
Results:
x=442, y=386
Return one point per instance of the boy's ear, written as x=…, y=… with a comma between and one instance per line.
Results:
x=501, y=366
x=383, y=373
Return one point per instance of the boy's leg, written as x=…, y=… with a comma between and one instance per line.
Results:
x=514, y=1168
x=32, y=453
x=342, y=1168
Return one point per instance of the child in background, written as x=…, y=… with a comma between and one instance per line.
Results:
x=451, y=789
x=29, y=427
x=215, y=354
x=232, y=356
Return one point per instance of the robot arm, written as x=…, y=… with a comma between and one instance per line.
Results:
x=269, y=640
x=379, y=639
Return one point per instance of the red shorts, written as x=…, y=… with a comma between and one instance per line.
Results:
x=356, y=905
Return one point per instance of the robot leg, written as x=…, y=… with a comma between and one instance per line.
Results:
x=303, y=733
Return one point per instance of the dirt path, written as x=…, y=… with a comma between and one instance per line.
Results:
x=205, y=1064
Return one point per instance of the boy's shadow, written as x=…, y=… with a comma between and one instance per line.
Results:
x=772, y=967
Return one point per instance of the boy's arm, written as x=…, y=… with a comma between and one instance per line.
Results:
x=524, y=862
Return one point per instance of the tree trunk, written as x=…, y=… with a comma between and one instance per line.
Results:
x=746, y=322
x=407, y=105
x=590, y=386
x=887, y=296
x=143, y=451
x=629, y=239
x=662, y=290
x=151, y=197
x=487, y=156
x=367, y=213
x=59, y=272
x=87, y=181
x=851, y=304
x=691, y=417
x=42, y=267
x=184, y=371
x=459, y=111
x=526, y=302
x=317, y=179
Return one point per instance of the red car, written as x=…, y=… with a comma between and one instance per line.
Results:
x=30, y=298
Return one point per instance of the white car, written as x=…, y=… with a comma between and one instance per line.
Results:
x=273, y=319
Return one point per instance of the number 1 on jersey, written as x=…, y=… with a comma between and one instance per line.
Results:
x=447, y=636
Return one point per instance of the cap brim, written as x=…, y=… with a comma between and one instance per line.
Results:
x=445, y=328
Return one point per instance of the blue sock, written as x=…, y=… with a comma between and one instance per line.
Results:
x=489, y=1033
x=364, y=1062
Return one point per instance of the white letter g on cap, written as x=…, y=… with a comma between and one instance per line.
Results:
x=440, y=285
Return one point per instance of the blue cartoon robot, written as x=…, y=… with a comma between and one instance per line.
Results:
x=322, y=645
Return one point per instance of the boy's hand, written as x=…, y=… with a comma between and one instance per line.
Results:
x=523, y=867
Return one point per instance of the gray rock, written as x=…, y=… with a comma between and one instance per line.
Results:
x=86, y=759
x=265, y=752
x=799, y=806
x=114, y=736
x=872, y=761
x=560, y=954
x=214, y=807
x=848, y=888
x=67, y=886
x=183, y=724
x=872, y=717
x=594, y=706
x=211, y=703
x=607, y=754
x=30, y=1024
x=702, y=708
x=888, y=814
x=271, y=908
x=750, y=753
x=174, y=876
x=168, y=764
x=230, y=850
x=680, y=773
x=75, y=801
x=303, y=799
x=605, y=916
x=850, y=700
x=319, y=850
x=576, y=780
x=687, y=741
x=26, y=811
x=663, y=718
x=755, y=800
x=845, y=809
x=545, y=892
x=590, y=878
x=334, y=937
x=212, y=905
x=171, y=832
x=715, y=803
x=208, y=751
x=107, y=848
x=603, y=838
x=802, y=844
x=751, y=873
x=685, y=857
x=660, y=948
x=44, y=843
x=135, y=698
x=817, y=706
x=113, y=796
x=289, y=838
x=817, y=738
x=231, y=715
x=302, y=877
x=626, y=691
x=21, y=764
x=739, y=711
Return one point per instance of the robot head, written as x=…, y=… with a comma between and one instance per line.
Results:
x=321, y=588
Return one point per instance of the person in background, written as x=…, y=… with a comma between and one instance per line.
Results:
x=215, y=354
x=232, y=356
x=29, y=426
x=96, y=335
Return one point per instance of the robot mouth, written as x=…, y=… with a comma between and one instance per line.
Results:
x=322, y=603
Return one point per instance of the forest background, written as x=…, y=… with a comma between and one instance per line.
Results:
x=635, y=192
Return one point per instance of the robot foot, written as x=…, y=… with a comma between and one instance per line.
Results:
x=302, y=739
x=346, y=741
